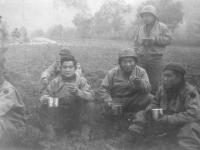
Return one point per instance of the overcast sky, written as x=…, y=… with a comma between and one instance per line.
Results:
x=41, y=14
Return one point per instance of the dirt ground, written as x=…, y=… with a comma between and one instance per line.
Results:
x=25, y=63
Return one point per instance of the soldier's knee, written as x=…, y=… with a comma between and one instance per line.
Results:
x=188, y=136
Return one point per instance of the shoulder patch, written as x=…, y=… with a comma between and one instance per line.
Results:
x=5, y=91
x=192, y=95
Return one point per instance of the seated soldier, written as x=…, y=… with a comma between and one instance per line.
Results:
x=75, y=101
x=126, y=86
x=55, y=69
x=181, y=111
x=12, y=116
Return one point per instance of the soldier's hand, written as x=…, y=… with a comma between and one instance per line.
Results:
x=109, y=104
x=161, y=118
x=44, y=99
x=152, y=40
x=45, y=81
x=137, y=80
x=72, y=89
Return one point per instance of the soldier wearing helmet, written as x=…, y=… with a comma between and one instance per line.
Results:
x=150, y=45
x=125, y=89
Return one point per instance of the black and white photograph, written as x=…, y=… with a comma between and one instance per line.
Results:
x=99, y=75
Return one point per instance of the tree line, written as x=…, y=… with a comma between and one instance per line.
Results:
x=117, y=20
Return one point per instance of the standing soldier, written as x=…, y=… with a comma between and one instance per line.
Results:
x=150, y=44
x=3, y=37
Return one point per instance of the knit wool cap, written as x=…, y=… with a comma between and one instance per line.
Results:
x=175, y=67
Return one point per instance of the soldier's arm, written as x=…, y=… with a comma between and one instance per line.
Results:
x=85, y=92
x=136, y=43
x=192, y=112
x=144, y=85
x=165, y=38
x=155, y=103
x=8, y=99
x=49, y=91
x=78, y=69
x=50, y=72
x=106, y=86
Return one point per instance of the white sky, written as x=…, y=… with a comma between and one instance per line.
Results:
x=41, y=14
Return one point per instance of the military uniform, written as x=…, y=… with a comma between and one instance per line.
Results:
x=3, y=44
x=11, y=113
x=150, y=55
x=181, y=107
x=79, y=107
x=119, y=89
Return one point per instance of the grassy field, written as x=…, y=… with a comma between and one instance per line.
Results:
x=25, y=63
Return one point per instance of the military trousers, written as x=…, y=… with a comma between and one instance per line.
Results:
x=66, y=117
x=154, y=65
x=187, y=135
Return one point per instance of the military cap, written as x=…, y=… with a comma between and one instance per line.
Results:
x=175, y=67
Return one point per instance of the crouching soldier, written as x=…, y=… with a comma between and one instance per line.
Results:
x=125, y=89
x=55, y=70
x=12, y=108
x=67, y=100
x=181, y=111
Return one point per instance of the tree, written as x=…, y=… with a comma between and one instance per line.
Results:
x=169, y=12
x=110, y=16
x=80, y=5
x=83, y=22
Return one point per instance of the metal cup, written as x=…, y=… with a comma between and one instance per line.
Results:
x=156, y=113
x=53, y=102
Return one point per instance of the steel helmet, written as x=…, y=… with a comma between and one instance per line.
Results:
x=149, y=9
x=128, y=52
x=64, y=51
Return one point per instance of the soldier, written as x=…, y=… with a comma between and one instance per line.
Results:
x=150, y=44
x=3, y=46
x=12, y=116
x=181, y=111
x=126, y=86
x=75, y=100
x=55, y=69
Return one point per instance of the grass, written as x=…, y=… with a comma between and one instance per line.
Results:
x=25, y=64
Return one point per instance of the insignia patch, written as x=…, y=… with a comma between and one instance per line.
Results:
x=192, y=95
x=5, y=92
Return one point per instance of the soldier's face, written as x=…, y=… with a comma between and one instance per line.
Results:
x=170, y=79
x=148, y=18
x=68, y=69
x=127, y=64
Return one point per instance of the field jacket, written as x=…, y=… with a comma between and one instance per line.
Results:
x=55, y=69
x=58, y=89
x=162, y=36
x=184, y=108
x=11, y=106
x=117, y=85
